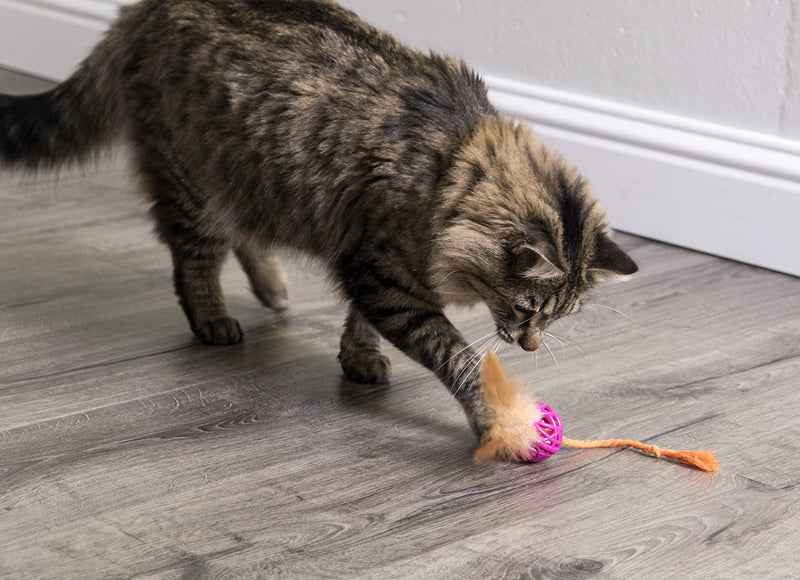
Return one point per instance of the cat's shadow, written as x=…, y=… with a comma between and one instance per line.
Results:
x=352, y=394
x=448, y=438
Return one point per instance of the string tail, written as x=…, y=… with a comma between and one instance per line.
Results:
x=704, y=460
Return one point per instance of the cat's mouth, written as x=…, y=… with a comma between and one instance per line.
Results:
x=505, y=335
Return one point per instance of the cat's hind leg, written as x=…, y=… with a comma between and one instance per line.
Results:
x=197, y=255
x=267, y=280
x=360, y=353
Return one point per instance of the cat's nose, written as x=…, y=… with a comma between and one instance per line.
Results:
x=531, y=340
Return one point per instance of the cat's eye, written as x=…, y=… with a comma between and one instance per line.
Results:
x=524, y=311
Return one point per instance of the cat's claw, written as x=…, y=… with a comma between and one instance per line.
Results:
x=221, y=330
x=367, y=368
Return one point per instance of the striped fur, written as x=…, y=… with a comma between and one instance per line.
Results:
x=264, y=123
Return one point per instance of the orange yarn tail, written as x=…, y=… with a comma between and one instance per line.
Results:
x=705, y=460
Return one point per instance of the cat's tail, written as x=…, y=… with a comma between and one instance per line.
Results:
x=66, y=124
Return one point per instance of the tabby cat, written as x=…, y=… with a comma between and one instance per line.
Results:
x=255, y=124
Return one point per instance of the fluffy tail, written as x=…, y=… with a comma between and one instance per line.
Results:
x=65, y=124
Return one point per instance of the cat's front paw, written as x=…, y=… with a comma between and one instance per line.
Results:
x=220, y=330
x=367, y=368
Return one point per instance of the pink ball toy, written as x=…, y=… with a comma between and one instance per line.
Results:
x=551, y=430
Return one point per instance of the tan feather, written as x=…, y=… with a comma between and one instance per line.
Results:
x=513, y=414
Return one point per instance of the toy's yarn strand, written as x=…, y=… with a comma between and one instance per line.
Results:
x=705, y=460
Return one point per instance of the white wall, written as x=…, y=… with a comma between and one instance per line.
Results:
x=685, y=114
x=47, y=38
x=733, y=62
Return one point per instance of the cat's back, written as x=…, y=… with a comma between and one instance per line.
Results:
x=225, y=66
x=214, y=57
x=292, y=32
x=295, y=101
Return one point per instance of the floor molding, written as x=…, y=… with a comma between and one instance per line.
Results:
x=708, y=187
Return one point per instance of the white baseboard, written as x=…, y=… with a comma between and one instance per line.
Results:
x=707, y=187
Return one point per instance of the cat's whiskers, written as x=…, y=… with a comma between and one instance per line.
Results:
x=474, y=343
x=467, y=367
x=474, y=368
x=475, y=361
x=549, y=335
x=467, y=363
x=554, y=337
x=576, y=347
x=564, y=341
x=553, y=357
x=498, y=345
x=620, y=312
x=526, y=321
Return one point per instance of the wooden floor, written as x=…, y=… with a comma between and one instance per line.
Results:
x=129, y=450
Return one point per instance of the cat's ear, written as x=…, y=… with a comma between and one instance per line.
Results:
x=610, y=260
x=537, y=260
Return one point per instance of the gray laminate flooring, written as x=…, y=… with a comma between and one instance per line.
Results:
x=130, y=450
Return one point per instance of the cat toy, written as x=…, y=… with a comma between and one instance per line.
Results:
x=529, y=431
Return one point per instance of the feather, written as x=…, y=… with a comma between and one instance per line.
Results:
x=513, y=415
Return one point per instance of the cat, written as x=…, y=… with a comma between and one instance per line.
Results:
x=257, y=124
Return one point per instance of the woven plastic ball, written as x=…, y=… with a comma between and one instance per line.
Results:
x=551, y=431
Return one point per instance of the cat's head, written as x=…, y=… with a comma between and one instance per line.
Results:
x=520, y=231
